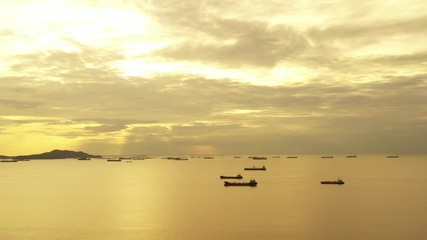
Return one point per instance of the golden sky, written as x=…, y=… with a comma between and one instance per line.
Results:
x=213, y=77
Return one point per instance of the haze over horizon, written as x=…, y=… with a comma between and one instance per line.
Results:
x=213, y=77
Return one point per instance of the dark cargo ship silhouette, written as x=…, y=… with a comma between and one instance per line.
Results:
x=251, y=183
x=114, y=159
x=256, y=168
x=238, y=176
x=339, y=181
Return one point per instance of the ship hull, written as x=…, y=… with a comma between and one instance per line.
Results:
x=332, y=182
x=229, y=184
x=230, y=177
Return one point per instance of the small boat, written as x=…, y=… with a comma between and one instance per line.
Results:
x=208, y=157
x=393, y=156
x=83, y=158
x=236, y=156
x=238, y=176
x=292, y=157
x=256, y=168
x=351, y=156
x=339, y=181
x=327, y=156
x=251, y=183
x=259, y=158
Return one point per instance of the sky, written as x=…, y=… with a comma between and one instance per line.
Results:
x=213, y=77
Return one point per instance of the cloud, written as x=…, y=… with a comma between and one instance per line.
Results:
x=204, y=35
x=180, y=113
x=245, y=43
x=370, y=31
x=18, y=104
x=304, y=112
x=82, y=65
x=179, y=98
x=105, y=128
x=404, y=60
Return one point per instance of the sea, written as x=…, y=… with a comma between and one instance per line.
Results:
x=382, y=198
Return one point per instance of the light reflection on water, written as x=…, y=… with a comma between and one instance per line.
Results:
x=164, y=199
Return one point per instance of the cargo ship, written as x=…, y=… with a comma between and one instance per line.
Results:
x=114, y=160
x=256, y=168
x=339, y=181
x=238, y=176
x=251, y=183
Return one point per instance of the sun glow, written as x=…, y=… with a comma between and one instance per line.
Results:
x=203, y=150
x=97, y=25
x=32, y=137
x=55, y=23
x=150, y=67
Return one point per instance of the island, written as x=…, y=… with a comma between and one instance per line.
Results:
x=55, y=154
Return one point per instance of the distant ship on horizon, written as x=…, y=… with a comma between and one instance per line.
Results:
x=114, y=160
x=8, y=160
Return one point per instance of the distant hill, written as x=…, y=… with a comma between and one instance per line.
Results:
x=57, y=154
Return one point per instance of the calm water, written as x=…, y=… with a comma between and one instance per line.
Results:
x=165, y=199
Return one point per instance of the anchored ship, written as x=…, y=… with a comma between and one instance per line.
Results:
x=339, y=181
x=238, y=176
x=114, y=160
x=8, y=160
x=256, y=168
x=251, y=183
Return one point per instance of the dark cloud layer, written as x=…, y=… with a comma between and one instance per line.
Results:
x=182, y=111
x=371, y=31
